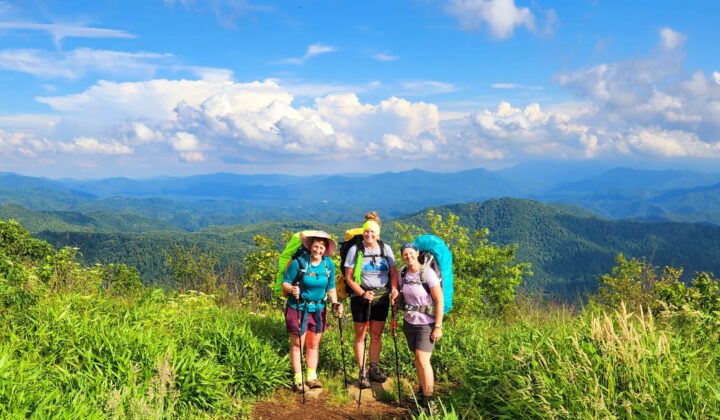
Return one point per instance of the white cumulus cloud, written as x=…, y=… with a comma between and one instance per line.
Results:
x=28, y=145
x=670, y=143
x=670, y=39
x=500, y=16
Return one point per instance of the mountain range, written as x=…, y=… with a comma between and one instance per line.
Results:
x=568, y=247
x=195, y=202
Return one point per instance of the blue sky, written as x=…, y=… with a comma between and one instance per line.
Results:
x=174, y=87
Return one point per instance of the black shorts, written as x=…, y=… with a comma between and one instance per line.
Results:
x=378, y=310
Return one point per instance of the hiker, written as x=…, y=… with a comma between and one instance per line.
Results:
x=370, y=295
x=305, y=312
x=423, y=305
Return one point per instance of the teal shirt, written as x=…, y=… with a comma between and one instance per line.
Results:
x=315, y=284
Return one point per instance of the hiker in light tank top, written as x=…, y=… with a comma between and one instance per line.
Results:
x=422, y=329
x=370, y=299
x=305, y=312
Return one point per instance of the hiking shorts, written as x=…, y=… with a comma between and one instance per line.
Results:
x=359, y=309
x=418, y=337
x=293, y=317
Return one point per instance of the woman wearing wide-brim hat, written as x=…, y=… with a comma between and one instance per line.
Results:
x=309, y=282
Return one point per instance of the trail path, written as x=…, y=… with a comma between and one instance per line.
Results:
x=286, y=404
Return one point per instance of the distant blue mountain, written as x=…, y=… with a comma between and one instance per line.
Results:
x=223, y=198
x=212, y=185
x=627, y=181
x=537, y=177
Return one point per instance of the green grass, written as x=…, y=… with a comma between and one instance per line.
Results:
x=334, y=385
x=161, y=355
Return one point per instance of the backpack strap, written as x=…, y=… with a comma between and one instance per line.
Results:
x=301, y=272
x=327, y=267
x=359, y=254
x=299, y=280
x=425, y=309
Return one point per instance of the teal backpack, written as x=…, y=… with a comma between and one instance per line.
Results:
x=436, y=256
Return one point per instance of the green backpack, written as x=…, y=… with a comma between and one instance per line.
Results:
x=294, y=250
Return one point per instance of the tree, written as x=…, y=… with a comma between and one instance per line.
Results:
x=192, y=269
x=63, y=273
x=637, y=283
x=260, y=269
x=15, y=241
x=120, y=280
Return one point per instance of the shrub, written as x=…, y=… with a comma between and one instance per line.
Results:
x=120, y=280
x=17, y=242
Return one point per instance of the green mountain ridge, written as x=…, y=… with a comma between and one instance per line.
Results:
x=568, y=247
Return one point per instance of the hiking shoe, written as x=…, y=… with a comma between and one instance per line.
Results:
x=376, y=375
x=299, y=388
x=314, y=384
x=363, y=382
x=418, y=406
x=429, y=405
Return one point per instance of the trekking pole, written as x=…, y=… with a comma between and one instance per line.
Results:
x=393, y=329
x=300, y=337
x=342, y=352
x=362, y=368
x=302, y=351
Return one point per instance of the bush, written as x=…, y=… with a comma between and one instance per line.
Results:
x=19, y=287
x=120, y=280
x=17, y=242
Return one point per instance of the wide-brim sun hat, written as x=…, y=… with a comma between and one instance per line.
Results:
x=308, y=235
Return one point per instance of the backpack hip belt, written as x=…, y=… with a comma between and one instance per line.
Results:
x=318, y=317
x=424, y=309
x=310, y=302
x=380, y=293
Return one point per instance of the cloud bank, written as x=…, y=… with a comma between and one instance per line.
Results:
x=642, y=107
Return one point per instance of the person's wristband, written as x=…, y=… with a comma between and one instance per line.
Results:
x=439, y=327
x=363, y=295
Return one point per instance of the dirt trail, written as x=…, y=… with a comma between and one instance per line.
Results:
x=286, y=404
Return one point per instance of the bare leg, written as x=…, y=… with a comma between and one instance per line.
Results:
x=376, y=331
x=295, y=352
x=312, y=349
x=424, y=371
x=359, y=345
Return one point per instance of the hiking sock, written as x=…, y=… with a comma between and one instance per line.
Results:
x=297, y=378
x=311, y=374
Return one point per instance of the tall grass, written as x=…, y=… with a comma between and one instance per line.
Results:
x=156, y=356
x=595, y=365
x=163, y=355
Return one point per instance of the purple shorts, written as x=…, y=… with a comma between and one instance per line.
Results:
x=293, y=317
